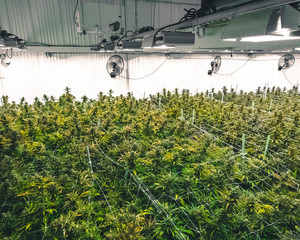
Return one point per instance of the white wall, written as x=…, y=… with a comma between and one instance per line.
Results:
x=190, y=72
x=33, y=74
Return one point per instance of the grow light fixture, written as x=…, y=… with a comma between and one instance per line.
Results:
x=268, y=38
x=109, y=47
x=230, y=40
x=8, y=40
x=280, y=24
x=169, y=40
x=131, y=45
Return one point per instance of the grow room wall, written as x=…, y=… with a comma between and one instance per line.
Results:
x=31, y=75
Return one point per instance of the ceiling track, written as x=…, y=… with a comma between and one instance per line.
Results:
x=242, y=9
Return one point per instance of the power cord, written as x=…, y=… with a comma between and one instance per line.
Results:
x=140, y=78
x=11, y=52
x=206, y=9
x=228, y=74
x=125, y=35
x=98, y=46
x=74, y=14
x=285, y=76
x=144, y=29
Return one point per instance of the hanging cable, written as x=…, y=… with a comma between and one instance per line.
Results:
x=149, y=73
x=125, y=35
x=206, y=9
x=144, y=29
x=74, y=14
x=285, y=76
x=11, y=52
x=228, y=74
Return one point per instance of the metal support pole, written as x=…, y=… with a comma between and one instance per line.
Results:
x=270, y=106
x=159, y=102
x=243, y=145
x=90, y=162
x=267, y=145
x=193, y=117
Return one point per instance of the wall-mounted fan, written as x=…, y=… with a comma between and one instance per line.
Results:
x=215, y=65
x=4, y=61
x=286, y=61
x=115, y=65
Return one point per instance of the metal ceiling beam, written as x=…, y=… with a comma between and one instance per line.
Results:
x=246, y=8
x=173, y=2
x=54, y=49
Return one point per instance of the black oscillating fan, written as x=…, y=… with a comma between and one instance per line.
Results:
x=286, y=61
x=115, y=65
x=215, y=65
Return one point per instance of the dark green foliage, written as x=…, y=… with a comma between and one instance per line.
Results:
x=126, y=168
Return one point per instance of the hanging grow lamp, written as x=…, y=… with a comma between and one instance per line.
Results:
x=279, y=24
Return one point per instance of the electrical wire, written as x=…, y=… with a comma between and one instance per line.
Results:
x=144, y=29
x=140, y=78
x=229, y=74
x=125, y=35
x=159, y=30
x=74, y=14
x=7, y=55
x=285, y=76
x=34, y=44
x=193, y=13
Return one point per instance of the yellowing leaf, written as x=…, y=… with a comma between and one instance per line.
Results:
x=191, y=149
x=168, y=157
x=276, y=176
x=23, y=194
x=178, y=147
x=28, y=226
x=182, y=201
x=264, y=208
x=51, y=210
